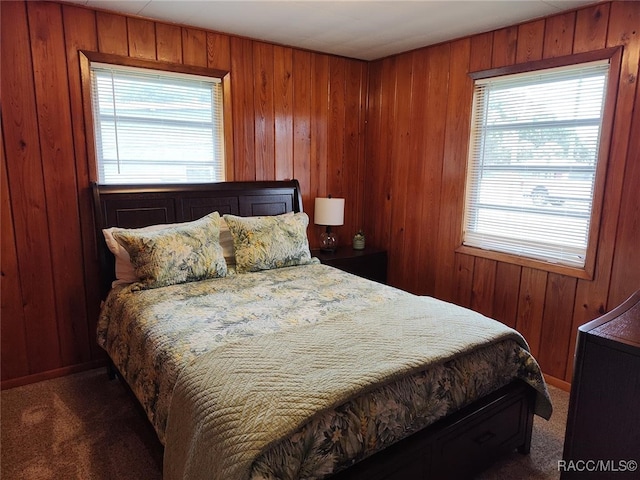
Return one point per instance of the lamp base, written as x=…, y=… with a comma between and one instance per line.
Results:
x=328, y=241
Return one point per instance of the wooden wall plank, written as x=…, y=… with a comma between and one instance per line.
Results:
x=141, y=35
x=433, y=134
x=375, y=162
x=219, y=57
x=454, y=167
x=483, y=289
x=112, y=33
x=13, y=338
x=320, y=88
x=531, y=306
x=80, y=34
x=507, y=293
x=218, y=51
x=26, y=183
x=402, y=168
x=60, y=182
x=387, y=128
x=243, y=123
x=336, y=141
x=168, y=43
x=353, y=168
x=412, y=268
x=530, y=41
x=591, y=28
x=505, y=44
x=194, y=47
x=481, y=52
x=558, y=36
x=283, y=112
x=464, y=266
x=556, y=324
x=263, y=110
x=302, y=126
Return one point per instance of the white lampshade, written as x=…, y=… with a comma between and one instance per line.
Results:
x=329, y=211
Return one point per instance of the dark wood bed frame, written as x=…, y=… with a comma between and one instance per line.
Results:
x=457, y=446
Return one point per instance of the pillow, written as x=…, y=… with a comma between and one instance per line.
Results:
x=125, y=272
x=226, y=242
x=263, y=243
x=177, y=254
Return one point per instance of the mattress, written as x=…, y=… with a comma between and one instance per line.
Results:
x=153, y=335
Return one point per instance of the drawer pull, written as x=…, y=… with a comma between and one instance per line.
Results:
x=484, y=438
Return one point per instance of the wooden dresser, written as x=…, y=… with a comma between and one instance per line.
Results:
x=603, y=424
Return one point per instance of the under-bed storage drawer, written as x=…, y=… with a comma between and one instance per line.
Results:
x=482, y=437
x=476, y=435
x=410, y=462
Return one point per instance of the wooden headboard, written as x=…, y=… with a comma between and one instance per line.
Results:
x=134, y=206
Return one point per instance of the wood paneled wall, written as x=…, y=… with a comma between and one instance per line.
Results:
x=298, y=114
x=295, y=114
x=416, y=152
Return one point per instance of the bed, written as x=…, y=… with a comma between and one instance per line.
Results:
x=253, y=367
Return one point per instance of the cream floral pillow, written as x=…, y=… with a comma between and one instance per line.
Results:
x=263, y=243
x=185, y=253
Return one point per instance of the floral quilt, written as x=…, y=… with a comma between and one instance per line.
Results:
x=151, y=335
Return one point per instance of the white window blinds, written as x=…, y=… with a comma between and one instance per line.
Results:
x=155, y=126
x=532, y=162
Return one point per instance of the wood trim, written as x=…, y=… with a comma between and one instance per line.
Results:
x=524, y=261
x=89, y=131
x=227, y=118
x=558, y=383
x=153, y=64
x=573, y=59
x=606, y=132
x=51, y=374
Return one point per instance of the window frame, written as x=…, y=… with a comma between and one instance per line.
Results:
x=614, y=56
x=87, y=57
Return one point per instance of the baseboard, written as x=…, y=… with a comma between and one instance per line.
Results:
x=556, y=382
x=49, y=374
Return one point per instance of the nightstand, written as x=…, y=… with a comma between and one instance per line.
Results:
x=369, y=263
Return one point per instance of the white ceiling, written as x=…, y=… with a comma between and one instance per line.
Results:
x=361, y=29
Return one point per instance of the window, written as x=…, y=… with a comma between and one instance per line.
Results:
x=155, y=126
x=533, y=162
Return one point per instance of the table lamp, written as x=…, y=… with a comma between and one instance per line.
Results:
x=330, y=213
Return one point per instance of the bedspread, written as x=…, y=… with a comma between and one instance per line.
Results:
x=152, y=335
x=235, y=401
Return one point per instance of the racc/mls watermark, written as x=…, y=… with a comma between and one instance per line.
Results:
x=597, y=466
